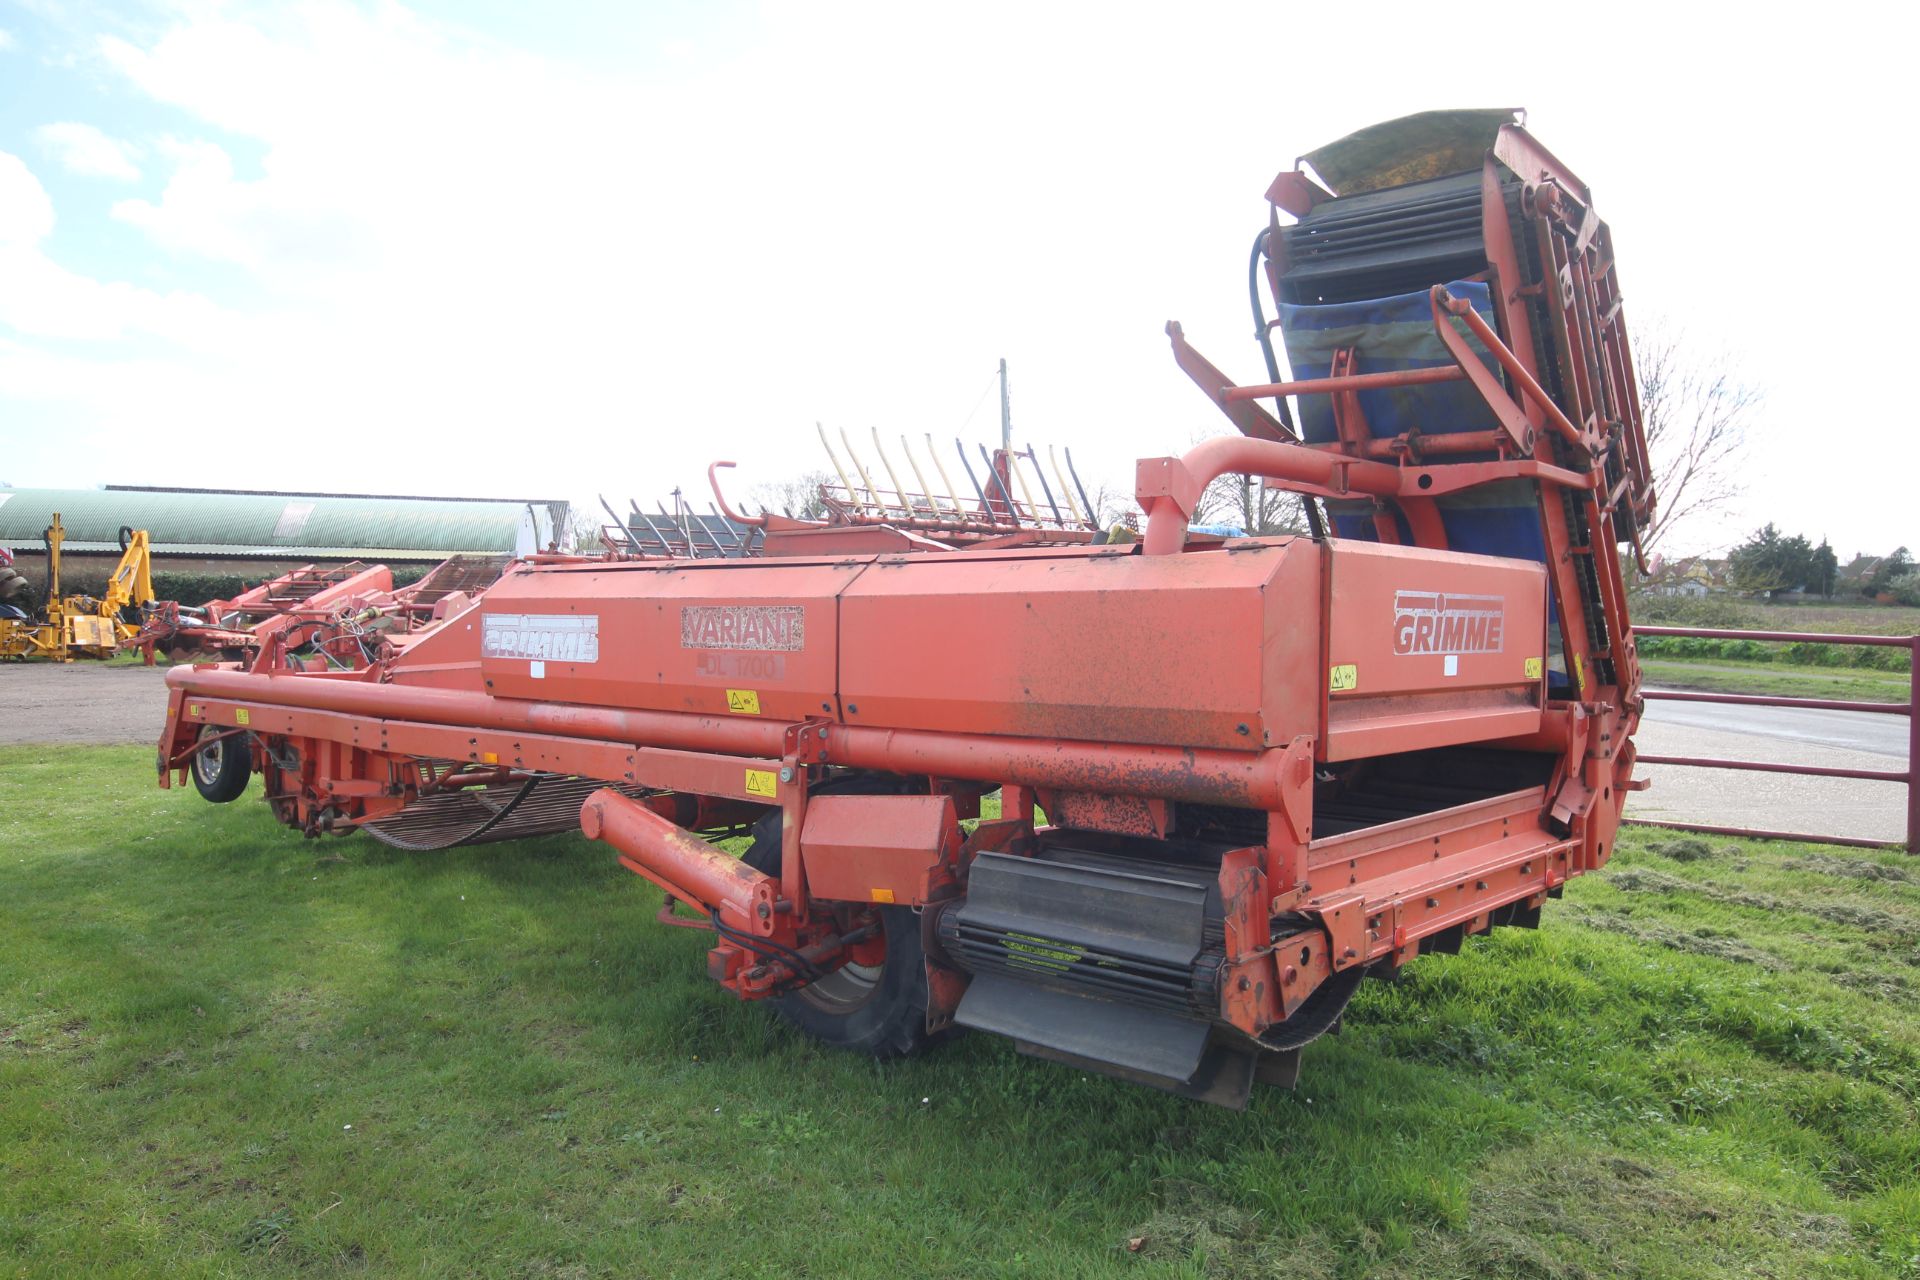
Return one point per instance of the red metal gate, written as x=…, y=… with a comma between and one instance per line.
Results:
x=1910, y=709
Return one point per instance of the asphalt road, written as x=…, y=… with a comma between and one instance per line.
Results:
x=1774, y=801
x=81, y=702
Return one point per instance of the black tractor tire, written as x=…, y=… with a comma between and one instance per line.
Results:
x=14, y=588
x=879, y=1011
x=222, y=769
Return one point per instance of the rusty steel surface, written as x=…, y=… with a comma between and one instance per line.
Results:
x=1909, y=777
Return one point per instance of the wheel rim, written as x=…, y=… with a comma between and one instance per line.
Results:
x=848, y=987
x=206, y=764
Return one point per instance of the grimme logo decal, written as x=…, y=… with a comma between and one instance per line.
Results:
x=765, y=627
x=544, y=637
x=1445, y=622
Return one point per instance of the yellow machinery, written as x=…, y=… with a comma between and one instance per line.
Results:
x=84, y=626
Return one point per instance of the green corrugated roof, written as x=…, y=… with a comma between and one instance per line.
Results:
x=279, y=525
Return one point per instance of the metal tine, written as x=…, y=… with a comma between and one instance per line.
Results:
x=898, y=490
x=1045, y=488
x=666, y=548
x=1019, y=478
x=1093, y=516
x=722, y=522
x=953, y=496
x=853, y=498
x=879, y=507
x=679, y=526
x=1013, y=508
x=690, y=520
x=1053, y=456
x=986, y=509
x=618, y=523
x=933, y=501
x=697, y=522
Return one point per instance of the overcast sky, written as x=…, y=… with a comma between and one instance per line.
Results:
x=489, y=249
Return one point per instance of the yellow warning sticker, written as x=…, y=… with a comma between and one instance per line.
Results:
x=1533, y=668
x=882, y=895
x=1579, y=673
x=240, y=716
x=193, y=709
x=1345, y=676
x=743, y=702
x=761, y=782
x=490, y=757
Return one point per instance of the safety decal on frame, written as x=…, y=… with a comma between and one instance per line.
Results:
x=1344, y=677
x=761, y=782
x=743, y=702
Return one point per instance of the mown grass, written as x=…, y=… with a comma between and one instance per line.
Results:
x=1720, y=676
x=228, y=1052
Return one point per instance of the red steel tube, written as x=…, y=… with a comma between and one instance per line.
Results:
x=1351, y=382
x=1851, y=842
x=758, y=522
x=1910, y=775
x=1430, y=446
x=1773, y=700
x=1913, y=750
x=1463, y=310
x=1766, y=766
x=736, y=736
x=1243, y=778
x=680, y=862
x=1810, y=637
x=1272, y=459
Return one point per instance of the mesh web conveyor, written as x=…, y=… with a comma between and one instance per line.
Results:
x=544, y=804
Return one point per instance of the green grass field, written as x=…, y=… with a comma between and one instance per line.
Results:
x=1721, y=676
x=225, y=1051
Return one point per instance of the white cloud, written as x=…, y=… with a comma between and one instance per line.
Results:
x=40, y=298
x=516, y=272
x=26, y=214
x=85, y=150
x=7, y=41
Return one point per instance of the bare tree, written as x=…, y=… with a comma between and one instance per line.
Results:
x=1113, y=505
x=1697, y=410
x=1251, y=504
x=798, y=498
x=583, y=531
x=1248, y=503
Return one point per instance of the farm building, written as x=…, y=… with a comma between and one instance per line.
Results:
x=252, y=535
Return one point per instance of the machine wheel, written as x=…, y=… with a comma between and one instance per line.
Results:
x=876, y=1003
x=221, y=769
x=14, y=588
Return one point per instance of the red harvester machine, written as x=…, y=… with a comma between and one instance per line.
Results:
x=1267, y=767
x=325, y=613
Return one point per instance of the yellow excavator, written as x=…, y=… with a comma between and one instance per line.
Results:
x=82, y=626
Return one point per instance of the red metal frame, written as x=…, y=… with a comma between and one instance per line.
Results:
x=1909, y=777
x=1246, y=684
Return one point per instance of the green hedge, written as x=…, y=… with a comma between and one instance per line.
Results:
x=198, y=588
x=1797, y=653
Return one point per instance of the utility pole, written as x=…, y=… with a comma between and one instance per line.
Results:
x=1006, y=410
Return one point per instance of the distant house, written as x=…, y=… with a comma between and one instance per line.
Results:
x=1692, y=577
x=1855, y=573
